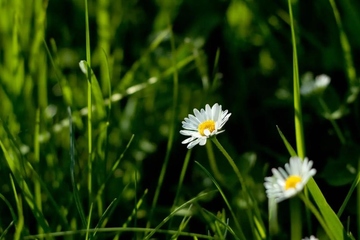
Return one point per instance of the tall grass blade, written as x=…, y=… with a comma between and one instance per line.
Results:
x=287, y=144
x=15, y=164
x=89, y=102
x=227, y=227
x=20, y=221
x=332, y=221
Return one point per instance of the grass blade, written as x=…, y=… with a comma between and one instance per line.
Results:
x=184, y=205
x=238, y=226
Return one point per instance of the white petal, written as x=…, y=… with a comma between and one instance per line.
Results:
x=189, y=126
x=193, y=143
x=198, y=115
x=208, y=112
x=190, y=139
x=187, y=132
x=202, y=141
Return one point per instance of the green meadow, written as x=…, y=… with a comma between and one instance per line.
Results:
x=105, y=131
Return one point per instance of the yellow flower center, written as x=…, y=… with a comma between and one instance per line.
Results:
x=292, y=181
x=206, y=125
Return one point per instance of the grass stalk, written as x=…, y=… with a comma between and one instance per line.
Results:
x=251, y=216
x=238, y=225
x=89, y=105
x=295, y=219
x=212, y=162
x=37, y=185
x=318, y=216
x=296, y=226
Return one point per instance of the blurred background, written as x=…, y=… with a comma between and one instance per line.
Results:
x=237, y=53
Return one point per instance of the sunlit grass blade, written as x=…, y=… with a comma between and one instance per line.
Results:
x=89, y=221
x=20, y=221
x=299, y=128
x=75, y=193
x=89, y=105
x=238, y=225
x=287, y=144
x=15, y=167
x=37, y=185
x=332, y=221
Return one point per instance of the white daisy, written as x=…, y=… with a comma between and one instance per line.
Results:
x=204, y=124
x=287, y=183
x=310, y=238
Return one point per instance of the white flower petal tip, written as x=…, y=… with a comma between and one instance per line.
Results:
x=288, y=182
x=310, y=238
x=203, y=124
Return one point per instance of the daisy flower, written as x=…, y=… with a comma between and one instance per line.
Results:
x=287, y=183
x=204, y=124
x=310, y=238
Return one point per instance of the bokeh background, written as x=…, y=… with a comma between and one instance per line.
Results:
x=237, y=53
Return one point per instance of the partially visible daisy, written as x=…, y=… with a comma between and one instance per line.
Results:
x=287, y=183
x=310, y=85
x=310, y=238
x=204, y=124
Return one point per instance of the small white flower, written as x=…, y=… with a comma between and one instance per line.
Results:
x=203, y=124
x=322, y=81
x=314, y=86
x=310, y=238
x=287, y=183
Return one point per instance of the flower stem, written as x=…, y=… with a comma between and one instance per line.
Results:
x=256, y=223
x=231, y=161
x=295, y=218
x=212, y=162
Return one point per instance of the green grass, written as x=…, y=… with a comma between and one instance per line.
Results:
x=93, y=93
